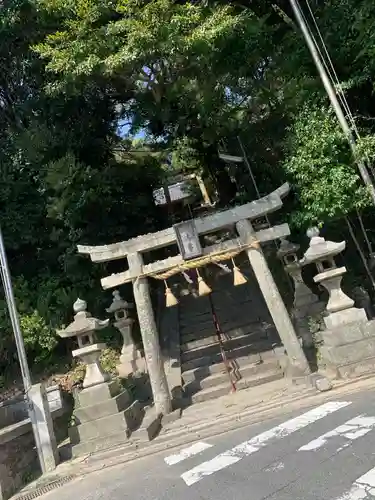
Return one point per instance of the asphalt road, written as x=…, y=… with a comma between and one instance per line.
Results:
x=320, y=453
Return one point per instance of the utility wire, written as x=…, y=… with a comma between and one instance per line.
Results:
x=332, y=94
x=335, y=80
x=341, y=94
x=331, y=69
x=334, y=88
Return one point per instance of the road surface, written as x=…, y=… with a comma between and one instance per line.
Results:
x=320, y=453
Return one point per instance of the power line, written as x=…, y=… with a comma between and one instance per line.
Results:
x=334, y=78
x=335, y=92
x=331, y=70
x=311, y=43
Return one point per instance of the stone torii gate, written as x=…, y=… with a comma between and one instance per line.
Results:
x=238, y=217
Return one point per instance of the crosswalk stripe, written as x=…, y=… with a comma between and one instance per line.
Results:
x=362, y=488
x=237, y=453
x=192, y=450
x=351, y=430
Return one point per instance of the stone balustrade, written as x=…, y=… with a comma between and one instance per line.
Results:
x=18, y=456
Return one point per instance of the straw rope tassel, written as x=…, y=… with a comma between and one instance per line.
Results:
x=238, y=277
x=170, y=299
x=203, y=288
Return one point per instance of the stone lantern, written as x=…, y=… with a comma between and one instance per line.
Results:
x=305, y=302
x=322, y=253
x=348, y=348
x=130, y=360
x=84, y=327
x=104, y=415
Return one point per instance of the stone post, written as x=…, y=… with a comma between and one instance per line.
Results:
x=276, y=306
x=150, y=337
x=131, y=360
x=47, y=449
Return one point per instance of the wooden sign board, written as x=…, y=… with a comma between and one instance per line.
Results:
x=188, y=240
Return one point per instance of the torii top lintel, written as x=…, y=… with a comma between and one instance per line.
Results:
x=204, y=225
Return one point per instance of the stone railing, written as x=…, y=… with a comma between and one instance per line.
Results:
x=14, y=410
x=18, y=456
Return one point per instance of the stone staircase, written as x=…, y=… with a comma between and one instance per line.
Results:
x=249, y=339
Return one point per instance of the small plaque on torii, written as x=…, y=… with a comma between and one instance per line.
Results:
x=188, y=240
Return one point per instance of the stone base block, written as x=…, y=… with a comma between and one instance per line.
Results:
x=350, y=353
x=99, y=393
x=103, y=409
x=346, y=317
x=357, y=369
x=119, y=423
x=347, y=334
x=350, y=349
x=131, y=362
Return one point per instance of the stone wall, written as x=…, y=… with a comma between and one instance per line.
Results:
x=12, y=411
x=15, y=409
x=18, y=463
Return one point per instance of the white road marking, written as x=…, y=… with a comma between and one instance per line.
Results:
x=192, y=450
x=362, y=489
x=351, y=430
x=276, y=467
x=237, y=453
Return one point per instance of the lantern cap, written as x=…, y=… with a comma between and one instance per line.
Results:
x=320, y=249
x=83, y=322
x=118, y=303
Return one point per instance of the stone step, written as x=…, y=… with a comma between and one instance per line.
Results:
x=99, y=393
x=187, y=313
x=255, y=352
x=207, y=350
x=233, y=321
x=250, y=314
x=223, y=288
x=192, y=320
x=122, y=422
x=201, y=339
x=95, y=445
x=219, y=367
x=189, y=302
x=225, y=388
x=196, y=380
x=102, y=409
x=99, y=428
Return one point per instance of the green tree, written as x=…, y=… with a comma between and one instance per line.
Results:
x=321, y=167
x=62, y=184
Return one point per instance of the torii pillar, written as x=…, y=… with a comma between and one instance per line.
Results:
x=272, y=297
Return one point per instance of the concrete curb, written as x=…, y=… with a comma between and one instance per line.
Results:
x=190, y=433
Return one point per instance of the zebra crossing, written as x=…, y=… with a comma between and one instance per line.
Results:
x=355, y=428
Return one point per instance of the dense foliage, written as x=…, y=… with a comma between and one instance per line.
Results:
x=193, y=77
